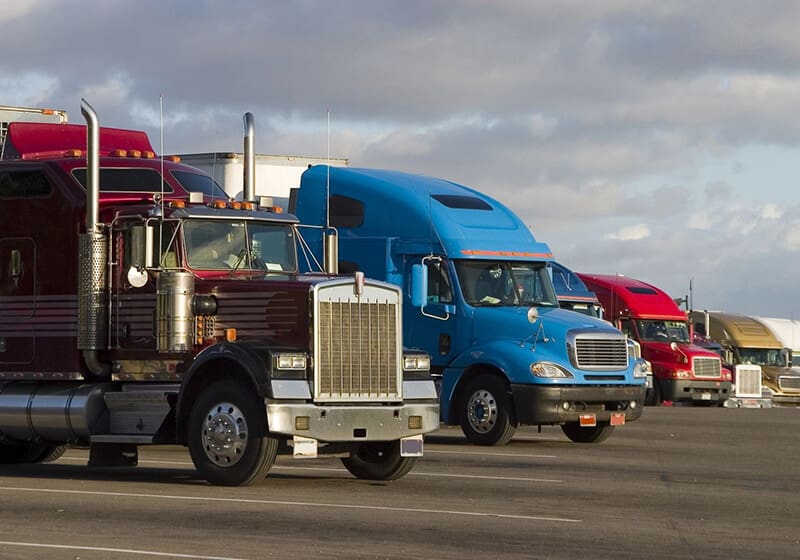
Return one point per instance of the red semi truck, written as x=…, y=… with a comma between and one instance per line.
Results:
x=682, y=371
x=141, y=306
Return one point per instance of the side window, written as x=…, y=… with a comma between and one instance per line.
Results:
x=23, y=184
x=626, y=326
x=345, y=211
x=439, y=286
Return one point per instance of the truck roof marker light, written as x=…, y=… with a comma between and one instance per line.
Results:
x=177, y=204
x=230, y=335
x=277, y=210
x=119, y=153
x=248, y=205
x=135, y=153
x=73, y=153
x=149, y=154
x=218, y=204
x=236, y=205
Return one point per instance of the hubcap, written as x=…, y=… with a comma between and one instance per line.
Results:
x=482, y=411
x=224, y=434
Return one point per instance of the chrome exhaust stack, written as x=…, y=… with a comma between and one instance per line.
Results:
x=249, y=192
x=92, y=256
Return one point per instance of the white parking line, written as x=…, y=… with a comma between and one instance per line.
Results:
x=189, y=464
x=116, y=550
x=291, y=504
x=428, y=451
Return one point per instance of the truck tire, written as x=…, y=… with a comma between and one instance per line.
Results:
x=595, y=434
x=486, y=415
x=227, y=436
x=15, y=454
x=378, y=461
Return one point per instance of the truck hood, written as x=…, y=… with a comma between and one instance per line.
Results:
x=491, y=323
x=661, y=352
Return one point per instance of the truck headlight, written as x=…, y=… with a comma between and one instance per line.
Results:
x=681, y=374
x=549, y=370
x=416, y=362
x=641, y=368
x=289, y=361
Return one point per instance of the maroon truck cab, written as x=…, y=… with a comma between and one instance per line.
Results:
x=141, y=306
x=682, y=371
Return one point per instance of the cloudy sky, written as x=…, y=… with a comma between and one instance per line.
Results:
x=653, y=139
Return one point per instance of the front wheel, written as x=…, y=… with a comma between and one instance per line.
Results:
x=378, y=461
x=227, y=436
x=486, y=414
x=595, y=434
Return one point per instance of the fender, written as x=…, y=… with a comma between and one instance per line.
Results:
x=252, y=360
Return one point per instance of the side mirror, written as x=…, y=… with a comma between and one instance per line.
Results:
x=419, y=285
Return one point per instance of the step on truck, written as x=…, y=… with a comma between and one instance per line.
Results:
x=682, y=371
x=503, y=352
x=141, y=306
x=763, y=375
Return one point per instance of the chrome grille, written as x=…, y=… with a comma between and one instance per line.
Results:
x=605, y=353
x=706, y=367
x=358, y=355
x=789, y=383
x=748, y=381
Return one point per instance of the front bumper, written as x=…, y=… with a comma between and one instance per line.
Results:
x=678, y=390
x=547, y=404
x=350, y=423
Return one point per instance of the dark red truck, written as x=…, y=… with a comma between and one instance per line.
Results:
x=140, y=306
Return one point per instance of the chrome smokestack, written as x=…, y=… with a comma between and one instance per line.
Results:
x=249, y=159
x=92, y=256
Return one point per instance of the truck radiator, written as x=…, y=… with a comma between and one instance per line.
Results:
x=748, y=381
x=707, y=367
x=358, y=356
x=600, y=353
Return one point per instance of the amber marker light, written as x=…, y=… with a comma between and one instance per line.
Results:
x=230, y=335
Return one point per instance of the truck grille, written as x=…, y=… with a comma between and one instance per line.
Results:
x=358, y=356
x=706, y=367
x=601, y=353
x=748, y=381
x=789, y=383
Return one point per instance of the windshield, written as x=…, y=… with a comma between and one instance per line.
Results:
x=505, y=283
x=761, y=357
x=200, y=182
x=239, y=244
x=663, y=331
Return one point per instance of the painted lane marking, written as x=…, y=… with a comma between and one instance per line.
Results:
x=428, y=450
x=189, y=464
x=116, y=550
x=290, y=504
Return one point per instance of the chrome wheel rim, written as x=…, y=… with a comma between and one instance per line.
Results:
x=224, y=434
x=482, y=411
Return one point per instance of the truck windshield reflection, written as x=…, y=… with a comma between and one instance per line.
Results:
x=505, y=283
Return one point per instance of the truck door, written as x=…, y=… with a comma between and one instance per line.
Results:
x=432, y=327
x=17, y=299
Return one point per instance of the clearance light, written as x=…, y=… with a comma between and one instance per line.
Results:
x=218, y=204
x=174, y=159
x=119, y=153
x=177, y=204
x=302, y=423
x=134, y=153
x=236, y=205
x=148, y=154
x=415, y=422
x=248, y=205
x=277, y=210
x=230, y=335
x=73, y=153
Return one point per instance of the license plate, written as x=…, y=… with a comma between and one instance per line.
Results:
x=705, y=397
x=588, y=420
x=617, y=418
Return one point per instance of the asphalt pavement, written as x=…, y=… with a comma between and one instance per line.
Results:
x=679, y=483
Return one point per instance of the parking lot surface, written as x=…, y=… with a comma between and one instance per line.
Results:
x=679, y=483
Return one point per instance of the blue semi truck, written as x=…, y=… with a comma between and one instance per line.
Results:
x=573, y=294
x=503, y=351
